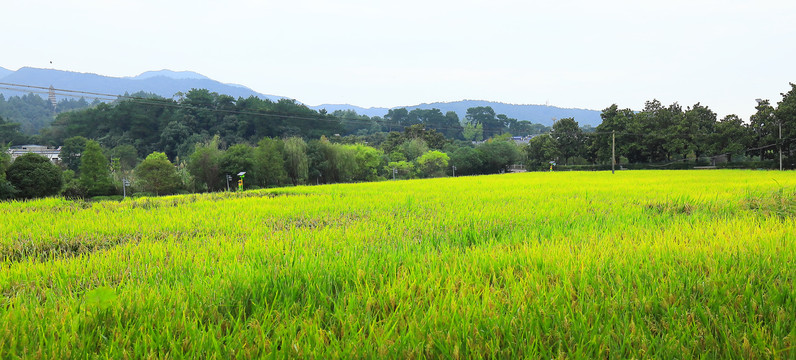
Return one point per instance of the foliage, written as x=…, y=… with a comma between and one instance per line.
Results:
x=10, y=133
x=269, y=163
x=205, y=165
x=95, y=174
x=71, y=150
x=34, y=176
x=468, y=161
x=157, y=175
x=499, y=156
x=473, y=132
x=296, y=160
x=432, y=164
x=238, y=158
x=568, y=138
x=540, y=151
x=402, y=169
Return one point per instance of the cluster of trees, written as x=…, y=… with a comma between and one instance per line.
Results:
x=32, y=113
x=87, y=169
x=152, y=123
x=670, y=133
x=193, y=143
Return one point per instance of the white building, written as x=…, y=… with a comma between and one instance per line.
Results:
x=53, y=154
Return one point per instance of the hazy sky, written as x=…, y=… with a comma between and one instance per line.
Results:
x=579, y=53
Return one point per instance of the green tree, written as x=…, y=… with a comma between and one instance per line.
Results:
x=10, y=133
x=269, y=162
x=95, y=176
x=71, y=150
x=731, y=137
x=473, y=132
x=569, y=138
x=238, y=158
x=403, y=169
x=615, y=122
x=7, y=191
x=157, y=175
x=296, y=160
x=540, y=151
x=785, y=116
x=499, y=156
x=485, y=115
x=205, y=165
x=127, y=155
x=368, y=161
x=34, y=176
x=432, y=164
x=468, y=161
x=765, y=130
x=413, y=148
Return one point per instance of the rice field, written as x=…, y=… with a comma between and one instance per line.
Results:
x=640, y=264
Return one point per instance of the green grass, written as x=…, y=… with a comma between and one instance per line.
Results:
x=644, y=264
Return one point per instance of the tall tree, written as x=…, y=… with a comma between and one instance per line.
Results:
x=205, y=165
x=7, y=190
x=731, y=137
x=95, y=174
x=785, y=116
x=764, y=127
x=10, y=133
x=540, y=151
x=269, y=162
x=296, y=160
x=71, y=150
x=238, y=158
x=569, y=138
x=615, y=123
x=486, y=116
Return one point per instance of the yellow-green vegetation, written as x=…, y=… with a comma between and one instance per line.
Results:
x=644, y=264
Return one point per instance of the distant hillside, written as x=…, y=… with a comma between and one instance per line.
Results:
x=171, y=74
x=164, y=83
x=4, y=72
x=538, y=114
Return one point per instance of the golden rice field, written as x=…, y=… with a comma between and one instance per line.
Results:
x=640, y=264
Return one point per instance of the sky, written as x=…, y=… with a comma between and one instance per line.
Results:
x=567, y=53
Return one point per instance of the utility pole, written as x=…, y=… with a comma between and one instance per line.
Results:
x=394, y=170
x=454, y=170
x=613, y=151
x=229, y=177
x=780, y=145
x=125, y=184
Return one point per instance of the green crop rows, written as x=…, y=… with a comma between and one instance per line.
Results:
x=644, y=264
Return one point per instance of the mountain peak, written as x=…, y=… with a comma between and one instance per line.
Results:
x=171, y=75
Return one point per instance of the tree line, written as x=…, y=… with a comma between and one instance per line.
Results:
x=193, y=142
x=666, y=134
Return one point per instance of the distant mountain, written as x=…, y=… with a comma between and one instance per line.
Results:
x=171, y=75
x=538, y=114
x=4, y=72
x=164, y=83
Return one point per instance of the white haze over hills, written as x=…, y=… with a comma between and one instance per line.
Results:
x=166, y=83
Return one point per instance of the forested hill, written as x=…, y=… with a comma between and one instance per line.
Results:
x=538, y=114
x=162, y=83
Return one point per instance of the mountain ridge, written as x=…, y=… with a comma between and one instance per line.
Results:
x=166, y=83
x=157, y=82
